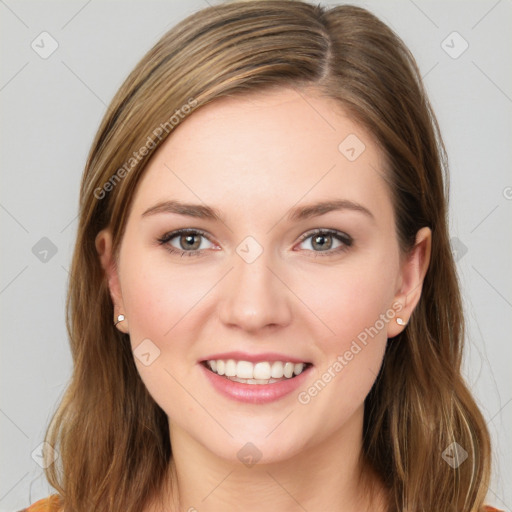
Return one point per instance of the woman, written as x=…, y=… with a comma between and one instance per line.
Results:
x=307, y=355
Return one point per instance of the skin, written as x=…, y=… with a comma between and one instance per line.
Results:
x=254, y=158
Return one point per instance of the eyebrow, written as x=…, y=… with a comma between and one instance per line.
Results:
x=295, y=214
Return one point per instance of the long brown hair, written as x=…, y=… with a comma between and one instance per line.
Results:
x=112, y=437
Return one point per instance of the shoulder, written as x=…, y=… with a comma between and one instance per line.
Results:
x=488, y=508
x=50, y=504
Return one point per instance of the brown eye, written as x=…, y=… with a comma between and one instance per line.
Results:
x=322, y=242
x=189, y=242
x=326, y=241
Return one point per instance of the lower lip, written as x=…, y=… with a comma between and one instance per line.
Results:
x=255, y=393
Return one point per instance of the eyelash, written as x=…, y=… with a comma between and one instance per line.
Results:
x=345, y=239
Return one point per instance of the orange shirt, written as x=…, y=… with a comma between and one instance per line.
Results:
x=51, y=504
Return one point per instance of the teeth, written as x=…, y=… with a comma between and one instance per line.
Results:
x=288, y=370
x=260, y=372
x=230, y=370
x=253, y=381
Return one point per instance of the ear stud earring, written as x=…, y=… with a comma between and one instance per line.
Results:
x=120, y=318
x=400, y=321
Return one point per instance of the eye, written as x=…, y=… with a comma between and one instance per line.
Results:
x=189, y=242
x=327, y=242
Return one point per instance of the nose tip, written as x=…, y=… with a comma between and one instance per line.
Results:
x=253, y=298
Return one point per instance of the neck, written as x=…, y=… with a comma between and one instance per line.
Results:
x=328, y=475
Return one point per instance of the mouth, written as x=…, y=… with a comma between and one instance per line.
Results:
x=256, y=373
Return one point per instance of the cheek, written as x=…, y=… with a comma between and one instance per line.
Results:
x=158, y=294
x=354, y=302
x=160, y=301
x=349, y=301
x=354, y=305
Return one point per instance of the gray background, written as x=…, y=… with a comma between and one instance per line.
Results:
x=52, y=106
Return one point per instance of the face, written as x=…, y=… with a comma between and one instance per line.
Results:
x=260, y=276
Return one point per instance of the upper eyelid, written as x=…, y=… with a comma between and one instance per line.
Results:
x=177, y=232
x=328, y=231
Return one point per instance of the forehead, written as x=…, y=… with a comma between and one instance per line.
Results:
x=280, y=147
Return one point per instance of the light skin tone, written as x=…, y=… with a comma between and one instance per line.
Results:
x=255, y=159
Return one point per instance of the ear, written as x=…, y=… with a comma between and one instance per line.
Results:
x=412, y=274
x=103, y=244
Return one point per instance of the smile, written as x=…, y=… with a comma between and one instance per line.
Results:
x=262, y=372
x=258, y=382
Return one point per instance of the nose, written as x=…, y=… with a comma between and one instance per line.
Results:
x=255, y=296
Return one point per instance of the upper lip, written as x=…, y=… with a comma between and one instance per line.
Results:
x=255, y=358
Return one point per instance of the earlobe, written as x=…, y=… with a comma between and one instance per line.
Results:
x=412, y=274
x=103, y=243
